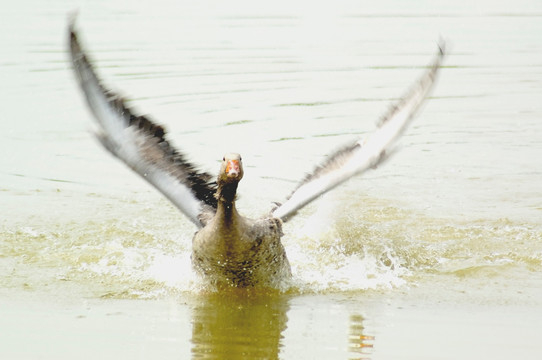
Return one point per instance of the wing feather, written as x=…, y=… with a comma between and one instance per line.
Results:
x=142, y=144
x=362, y=155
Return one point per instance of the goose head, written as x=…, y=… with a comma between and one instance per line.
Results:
x=231, y=170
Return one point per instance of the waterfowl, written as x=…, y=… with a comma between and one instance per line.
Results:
x=230, y=249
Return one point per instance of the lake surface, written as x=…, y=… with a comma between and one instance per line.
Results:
x=435, y=255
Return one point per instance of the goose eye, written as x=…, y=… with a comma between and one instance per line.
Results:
x=224, y=158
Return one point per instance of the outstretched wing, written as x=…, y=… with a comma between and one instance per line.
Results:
x=363, y=154
x=141, y=144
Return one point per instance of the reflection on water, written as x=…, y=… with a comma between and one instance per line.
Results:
x=253, y=324
x=239, y=324
x=360, y=343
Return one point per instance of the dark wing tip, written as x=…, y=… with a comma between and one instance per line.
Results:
x=74, y=42
x=442, y=46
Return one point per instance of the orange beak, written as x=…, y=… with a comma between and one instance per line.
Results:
x=233, y=168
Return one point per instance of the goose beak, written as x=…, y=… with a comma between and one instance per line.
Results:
x=233, y=169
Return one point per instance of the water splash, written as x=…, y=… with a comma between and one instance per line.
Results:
x=340, y=246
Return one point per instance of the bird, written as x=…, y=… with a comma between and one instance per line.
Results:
x=230, y=250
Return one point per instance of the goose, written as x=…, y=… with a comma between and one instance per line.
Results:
x=230, y=250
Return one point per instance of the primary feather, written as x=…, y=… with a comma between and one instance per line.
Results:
x=363, y=154
x=142, y=144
